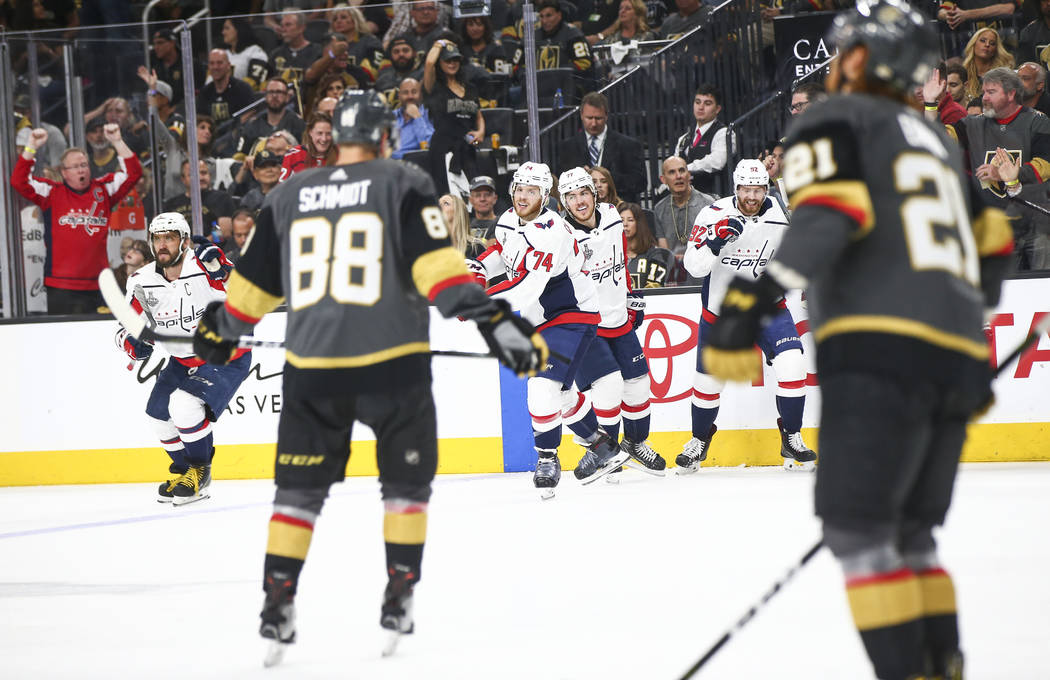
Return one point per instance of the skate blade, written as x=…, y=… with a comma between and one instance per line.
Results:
x=616, y=461
x=162, y=499
x=683, y=471
x=391, y=643
x=635, y=465
x=546, y=493
x=274, y=654
x=799, y=466
x=178, y=502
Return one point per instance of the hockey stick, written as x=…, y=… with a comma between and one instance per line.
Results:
x=1033, y=337
x=750, y=614
x=138, y=327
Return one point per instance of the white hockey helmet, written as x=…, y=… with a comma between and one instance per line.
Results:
x=533, y=175
x=168, y=221
x=573, y=179
x=750, y=172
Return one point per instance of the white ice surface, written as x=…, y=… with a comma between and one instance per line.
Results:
x=633, y=580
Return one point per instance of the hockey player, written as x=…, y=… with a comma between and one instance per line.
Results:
x=189, y=395
x=356, y=250
x=547, y=284
x=894, y=254
x=614, y=368
x=736, y=236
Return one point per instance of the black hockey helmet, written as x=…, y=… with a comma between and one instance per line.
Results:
x=361, y=117
x=901, y=48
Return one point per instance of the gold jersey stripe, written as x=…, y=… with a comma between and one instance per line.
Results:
x=938, y=594
x=288, y=540
x=359, y=360
x=848, y=196
x=893, y=325
x=885, y=603
x=405, y=528
x=248, y=298
x=432, y=268
x=991, y=230
x=1041, y=167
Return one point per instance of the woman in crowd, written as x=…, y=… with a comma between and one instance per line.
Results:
x=364, y=49
x=647, y=263
x=604, y=185
x=481, y=48
x=455, y=111
x=250, y=62
x=631, y=24
x=316, y=150
x=983, y=52
x=458, y=220
x=332, y=85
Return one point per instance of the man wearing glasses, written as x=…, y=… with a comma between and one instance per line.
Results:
x=804, y=95
x=76, y=218
x=277, y=117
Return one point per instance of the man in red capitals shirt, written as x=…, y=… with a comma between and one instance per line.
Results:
x=76, y=218
x=315, y=151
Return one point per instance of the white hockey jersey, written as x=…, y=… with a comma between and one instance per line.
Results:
x=747, y=255
x=546, y=282
x=177, y=305
x=604, y=249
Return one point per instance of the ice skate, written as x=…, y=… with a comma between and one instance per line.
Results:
x=547, y=474
x=396, y=613
x=166, y=489
x=643, y=457
x=602, y=457
x=694, y=453
x=797, y=456
x=278, y=619
x=192, y=486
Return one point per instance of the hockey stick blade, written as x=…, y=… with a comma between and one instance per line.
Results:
x=137, y=327
x=753, y=610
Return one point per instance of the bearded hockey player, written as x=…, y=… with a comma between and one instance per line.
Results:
x=736, y=236
x=189, y=395
x=546, y=283
x=898, y=261
x=614, y=370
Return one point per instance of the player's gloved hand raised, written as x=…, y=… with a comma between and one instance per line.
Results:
x=635, y=310
x=212, y=257
x=207, y=343
x=728, y=352
x=725, y=231
x=514, y=341
x=137, y=350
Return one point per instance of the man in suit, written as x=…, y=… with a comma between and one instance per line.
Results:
x=598, y=145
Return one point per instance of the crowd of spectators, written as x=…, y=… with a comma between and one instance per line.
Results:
x=263, y=99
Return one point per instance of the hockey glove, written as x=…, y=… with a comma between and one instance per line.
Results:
x=137, y=350
x=729, y=353
x=207, y=343
x=726, y=231
x=514, y=341
x=212, y=258
x=635, y=310
x=477, y=271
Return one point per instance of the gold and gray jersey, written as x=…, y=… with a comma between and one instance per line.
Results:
x=884, y=229
x=356, y=251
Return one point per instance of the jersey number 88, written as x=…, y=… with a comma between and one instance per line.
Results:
x=348, y=266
